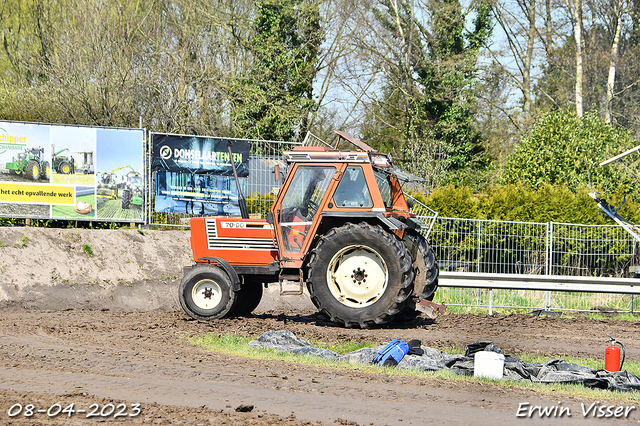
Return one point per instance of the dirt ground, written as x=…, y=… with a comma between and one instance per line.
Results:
x=107, y=346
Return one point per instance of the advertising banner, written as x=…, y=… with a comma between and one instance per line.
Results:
x=56, y=172
x=194, y=174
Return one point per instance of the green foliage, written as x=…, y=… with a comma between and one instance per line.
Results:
x=453, y=201
x=260, y=204
x=514, y=203
x=87, y=249
x=24, y=240
x=274, y=98
x=564, y=149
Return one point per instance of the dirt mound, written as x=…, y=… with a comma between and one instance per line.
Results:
x=65, y=268
x=124, y=270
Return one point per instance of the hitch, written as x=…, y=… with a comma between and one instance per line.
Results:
x=431, y=309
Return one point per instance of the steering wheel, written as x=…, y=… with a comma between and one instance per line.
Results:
x=312, y=209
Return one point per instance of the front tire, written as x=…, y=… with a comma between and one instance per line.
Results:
x=64, y=168
x=33, y=170
x=205, y=293
x=360, y=275
x=126, y=198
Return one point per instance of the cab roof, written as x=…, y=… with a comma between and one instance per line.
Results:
x=356, y=152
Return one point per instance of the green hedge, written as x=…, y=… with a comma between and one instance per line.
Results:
x=509, y=202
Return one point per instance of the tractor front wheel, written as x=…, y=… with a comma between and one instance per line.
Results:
x=205, y=292
x=33, y=170
x=46, y=170
x=126, y=198
x=360, y=275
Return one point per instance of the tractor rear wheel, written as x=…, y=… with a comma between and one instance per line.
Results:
x=33, y=170
x=205, y=292
x=360, y=275
x=64, y=168
x=426, y=280
x=247, y=299
x=427, y=271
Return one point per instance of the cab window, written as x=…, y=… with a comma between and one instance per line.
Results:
x=352, y=191
x=385, y=188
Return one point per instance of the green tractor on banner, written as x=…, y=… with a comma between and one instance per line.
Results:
x=61, y=163
x=132, y=189
x=30, y=162
x=108, y=185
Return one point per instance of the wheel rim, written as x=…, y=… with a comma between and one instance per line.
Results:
x=35, y=172
x=357, y=276
x=65, y=169
x=206, y=294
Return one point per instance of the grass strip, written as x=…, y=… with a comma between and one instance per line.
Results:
x=233, y=344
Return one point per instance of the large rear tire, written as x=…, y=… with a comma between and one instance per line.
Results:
x=360, y=275
x=247, y=299
x=64, y=168
x=426, y=280
x=427, y=271
x=46, y=171
x=205, y=293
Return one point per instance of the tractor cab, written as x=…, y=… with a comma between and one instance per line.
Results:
x=328, y=186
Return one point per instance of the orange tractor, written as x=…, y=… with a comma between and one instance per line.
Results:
x=340, y=225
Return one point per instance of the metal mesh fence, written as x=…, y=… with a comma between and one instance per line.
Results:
x=501, y=247
x=468, y=245
x=481, y=246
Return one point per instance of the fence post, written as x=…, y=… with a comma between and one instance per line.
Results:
x=490, y=302
x=478, y=254
x=547, y=298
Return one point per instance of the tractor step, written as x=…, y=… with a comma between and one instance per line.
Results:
x=293, y=278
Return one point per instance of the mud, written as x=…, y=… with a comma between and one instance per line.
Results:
x=100, y=330
x=102, y=357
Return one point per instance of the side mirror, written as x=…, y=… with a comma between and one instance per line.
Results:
x=411, y=202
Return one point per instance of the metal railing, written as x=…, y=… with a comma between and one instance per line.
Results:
x=489, y=256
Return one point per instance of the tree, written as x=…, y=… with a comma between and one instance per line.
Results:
x=577, y=35
x=565, y=149
x=428, y=60
x=274, y=98
x=520, y=37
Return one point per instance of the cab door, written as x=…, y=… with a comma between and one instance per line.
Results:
x=296, y=211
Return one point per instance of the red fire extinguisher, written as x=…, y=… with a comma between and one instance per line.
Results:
x=612, y=361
